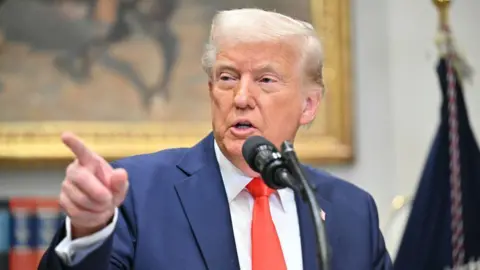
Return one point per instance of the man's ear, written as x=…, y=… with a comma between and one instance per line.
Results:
x=310, y=106
x=210, y=85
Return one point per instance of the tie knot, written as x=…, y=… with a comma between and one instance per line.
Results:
x=258, y=188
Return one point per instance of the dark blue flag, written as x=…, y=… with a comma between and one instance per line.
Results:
x=444, y=223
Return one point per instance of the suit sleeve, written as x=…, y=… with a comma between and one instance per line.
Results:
x=115, y=253
x=381, y=259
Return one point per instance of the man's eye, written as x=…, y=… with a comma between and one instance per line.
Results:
x=267, y=80
x=226, y=77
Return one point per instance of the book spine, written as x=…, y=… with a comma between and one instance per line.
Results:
x=47, y=215
x=4, y=234
x=22, y=255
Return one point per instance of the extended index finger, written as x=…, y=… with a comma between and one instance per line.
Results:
x=84, y=155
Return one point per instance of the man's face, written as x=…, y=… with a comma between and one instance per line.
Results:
x=257, y=89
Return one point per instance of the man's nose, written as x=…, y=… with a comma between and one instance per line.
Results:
x=243, y=96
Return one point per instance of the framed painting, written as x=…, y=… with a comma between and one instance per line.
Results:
x=126, y=76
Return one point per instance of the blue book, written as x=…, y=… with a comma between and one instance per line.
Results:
x=4, y=234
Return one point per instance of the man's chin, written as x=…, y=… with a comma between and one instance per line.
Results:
x=234, y=147
x=234, y=144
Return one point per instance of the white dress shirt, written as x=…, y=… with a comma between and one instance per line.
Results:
x=282, y=208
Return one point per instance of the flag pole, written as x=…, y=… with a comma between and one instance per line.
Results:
x=442, y=7
x=446, y=44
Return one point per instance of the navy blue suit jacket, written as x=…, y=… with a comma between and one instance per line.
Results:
x=176, y=216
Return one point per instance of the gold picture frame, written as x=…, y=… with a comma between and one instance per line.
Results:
x=328, y=140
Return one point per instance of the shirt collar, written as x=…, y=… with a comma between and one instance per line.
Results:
x=235, y=180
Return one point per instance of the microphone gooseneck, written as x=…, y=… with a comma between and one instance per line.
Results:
x=308, y=195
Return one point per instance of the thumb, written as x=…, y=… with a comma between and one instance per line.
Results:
x=119, y=185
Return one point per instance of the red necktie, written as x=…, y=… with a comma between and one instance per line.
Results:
x=266, y=249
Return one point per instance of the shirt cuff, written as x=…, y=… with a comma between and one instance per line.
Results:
x=72, y=252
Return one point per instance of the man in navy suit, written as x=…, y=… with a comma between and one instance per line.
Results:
x=198, y=208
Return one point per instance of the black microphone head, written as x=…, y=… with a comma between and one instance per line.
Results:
x=263, y=157
x=251, y=148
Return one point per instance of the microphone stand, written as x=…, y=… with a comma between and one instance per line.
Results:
x=308, y=195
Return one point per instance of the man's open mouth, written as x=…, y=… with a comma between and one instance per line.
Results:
x=243, y=125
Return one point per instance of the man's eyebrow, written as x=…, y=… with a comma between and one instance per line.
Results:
x=261, y=68
x=267, y=67
x=225, y=66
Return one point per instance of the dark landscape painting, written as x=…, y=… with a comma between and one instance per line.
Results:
x=110, y=60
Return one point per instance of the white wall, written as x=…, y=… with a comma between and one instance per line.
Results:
x=396, y=97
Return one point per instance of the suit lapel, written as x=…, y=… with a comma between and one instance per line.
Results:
x=307, y=229
x=204, y=200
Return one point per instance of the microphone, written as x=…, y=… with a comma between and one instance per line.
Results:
x=263, y=157
x=308, y=195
